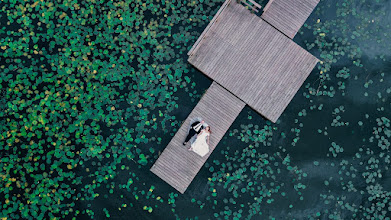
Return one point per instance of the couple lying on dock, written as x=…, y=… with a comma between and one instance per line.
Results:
x=199, y=135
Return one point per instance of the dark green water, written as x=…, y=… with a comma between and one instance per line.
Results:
x=327, y=157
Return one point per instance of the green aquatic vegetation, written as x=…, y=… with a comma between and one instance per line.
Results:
x=367, y=166
x=336, y=39
x=106, y=213
x=251, y=173
x=382, y=133
x=337, y=120
x=296, y=131
x=89, y=91
x=335, y=149
x=65, y=90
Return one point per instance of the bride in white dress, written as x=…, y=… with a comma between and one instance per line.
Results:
x=201, y=145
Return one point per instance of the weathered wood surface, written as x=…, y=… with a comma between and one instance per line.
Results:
x=268, y=5
x=253, y=60
x=177, y=165
x=288, y=15
x=214, y=19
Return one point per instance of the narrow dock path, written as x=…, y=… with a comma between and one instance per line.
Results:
x=288, y=15
x=177, y=165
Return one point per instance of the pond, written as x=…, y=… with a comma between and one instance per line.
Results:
x=93, y=91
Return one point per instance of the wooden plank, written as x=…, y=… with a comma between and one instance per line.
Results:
x=253, y=60
x=253, y=6
x=288, y=15
x=203, y=34
x=250, y=6
x=178, y=166
x=268, y=5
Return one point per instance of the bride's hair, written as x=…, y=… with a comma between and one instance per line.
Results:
x=210, y=131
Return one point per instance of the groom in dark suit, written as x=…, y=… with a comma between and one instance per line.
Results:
x=195, y=128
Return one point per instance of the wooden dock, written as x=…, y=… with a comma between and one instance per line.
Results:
x=288, y=15
x=177, y=165
x=252, y=59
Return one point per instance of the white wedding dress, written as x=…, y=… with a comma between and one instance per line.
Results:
x=200, y=146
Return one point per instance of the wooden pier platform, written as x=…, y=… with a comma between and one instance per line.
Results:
x=252, y=59
x=177, y=165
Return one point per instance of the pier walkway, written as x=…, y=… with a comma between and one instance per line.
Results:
x=177, y=165
x=252, y=60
